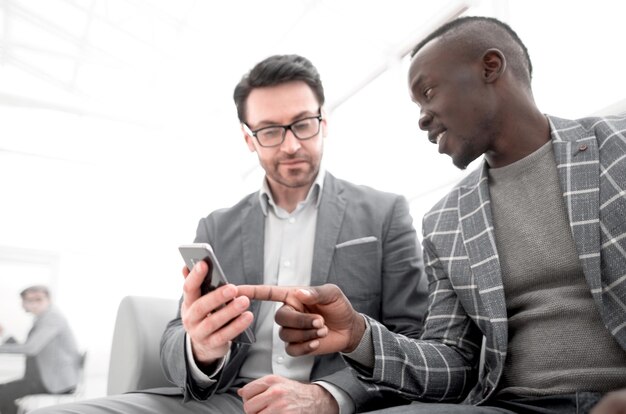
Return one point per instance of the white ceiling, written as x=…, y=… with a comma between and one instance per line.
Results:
x=111, y=57
x=110, y=82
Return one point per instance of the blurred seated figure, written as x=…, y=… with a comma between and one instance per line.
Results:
x=52, y=356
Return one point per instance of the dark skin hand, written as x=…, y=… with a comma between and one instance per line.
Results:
x=314, y=320
x=612, y=403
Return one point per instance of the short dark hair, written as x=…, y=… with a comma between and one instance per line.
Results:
x=35, y=289
x=480, y=33
x=276, y=70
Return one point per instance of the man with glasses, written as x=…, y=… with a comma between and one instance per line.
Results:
x=303, y=226
x=52, y=356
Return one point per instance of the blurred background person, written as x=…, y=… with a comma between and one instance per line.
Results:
x=52, y=356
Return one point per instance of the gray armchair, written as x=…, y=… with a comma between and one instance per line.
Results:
x=135, y=363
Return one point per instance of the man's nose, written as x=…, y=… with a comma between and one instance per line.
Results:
x=425, y=120
x=290, y=144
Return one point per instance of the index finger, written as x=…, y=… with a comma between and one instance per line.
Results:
x=284, y=294
x=265, y=292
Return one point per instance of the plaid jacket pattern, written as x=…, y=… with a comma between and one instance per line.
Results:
x=466, y=301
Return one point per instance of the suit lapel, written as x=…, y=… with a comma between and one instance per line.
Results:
x=577, y=159
x=253, y=239
x=329, y=218
x=480, y=244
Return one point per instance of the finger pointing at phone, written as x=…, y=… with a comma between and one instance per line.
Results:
x=314, y=320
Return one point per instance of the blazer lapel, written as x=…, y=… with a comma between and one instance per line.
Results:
x=253, y=239
x=329, y=218
x=577, y=159
x=480, y=244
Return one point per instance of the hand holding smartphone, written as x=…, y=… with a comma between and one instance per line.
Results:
x=192, y=254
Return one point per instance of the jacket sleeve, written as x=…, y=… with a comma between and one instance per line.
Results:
x=42, y=334
x=441, y=366
x=174, y=362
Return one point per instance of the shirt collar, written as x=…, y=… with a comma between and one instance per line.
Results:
x=315, y=192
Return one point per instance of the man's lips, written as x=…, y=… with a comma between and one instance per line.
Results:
x=435, y=138
x=294, y=161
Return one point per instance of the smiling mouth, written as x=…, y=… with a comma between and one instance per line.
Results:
x=437, y=138
x=440, y=136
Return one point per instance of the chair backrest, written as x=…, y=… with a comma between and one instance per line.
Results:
x=135, y=362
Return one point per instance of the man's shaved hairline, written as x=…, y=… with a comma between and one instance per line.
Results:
x=473, y=36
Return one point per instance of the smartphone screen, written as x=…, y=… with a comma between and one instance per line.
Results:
x=192, y=254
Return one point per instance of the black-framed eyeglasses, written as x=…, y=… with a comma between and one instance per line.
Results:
x=272, y=136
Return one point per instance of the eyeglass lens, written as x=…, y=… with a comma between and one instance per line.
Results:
x=303, y=129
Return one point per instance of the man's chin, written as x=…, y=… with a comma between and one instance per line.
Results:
x=296, y=179
x=462, y=162
x=299, y=183
x=459, y=165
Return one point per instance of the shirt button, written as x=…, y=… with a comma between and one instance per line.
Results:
x=280, y=360
x=292, y=220
x=287, y=263
x=582, y=147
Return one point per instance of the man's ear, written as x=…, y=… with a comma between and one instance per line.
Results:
x=324, y=125
x=249, y=140
x=494, y=65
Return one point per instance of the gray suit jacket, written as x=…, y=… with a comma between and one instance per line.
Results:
x=52, y=345
x=466, y=300
x=380, y=277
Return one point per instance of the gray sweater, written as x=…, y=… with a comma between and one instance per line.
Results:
x=557, y=341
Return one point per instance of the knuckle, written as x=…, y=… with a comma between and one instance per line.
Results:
x=187, y=289
x=209, y=323
x=272, y=379
x=275, y=392
x=293, y=350
x=304, y=322
x=215, y=340
x=197, y=312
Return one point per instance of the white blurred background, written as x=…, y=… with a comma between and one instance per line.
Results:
x=118, y=130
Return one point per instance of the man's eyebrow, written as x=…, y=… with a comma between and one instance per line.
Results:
x=267, y=123
x=417, y=82
x=416, y=85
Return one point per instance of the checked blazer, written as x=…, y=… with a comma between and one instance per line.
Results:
x=467, y=310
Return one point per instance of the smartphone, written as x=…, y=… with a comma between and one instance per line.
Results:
x=192, y=254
